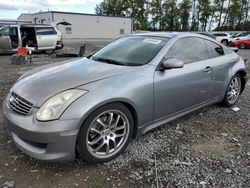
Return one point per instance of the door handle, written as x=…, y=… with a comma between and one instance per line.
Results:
x=208, y=69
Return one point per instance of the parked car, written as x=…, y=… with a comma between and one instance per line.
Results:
x=223, y=37
x=233, y=34
x=41, y=37
x=242, y=34
x=242, y=44
x=95, y=105
x=246, y=37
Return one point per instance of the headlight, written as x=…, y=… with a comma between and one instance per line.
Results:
x=55, y=106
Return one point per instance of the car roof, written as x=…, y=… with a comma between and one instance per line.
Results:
x=158, y=34
x=169, y=34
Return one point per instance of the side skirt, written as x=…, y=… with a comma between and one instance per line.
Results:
x=152, y=125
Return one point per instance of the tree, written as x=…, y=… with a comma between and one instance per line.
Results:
x=220, y=8
x=184, y=12
x=156, y=14
x=138, y=10
x=180, y=15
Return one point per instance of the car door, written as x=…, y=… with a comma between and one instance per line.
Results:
x=5, y=41
x=46, y=38
x=176, y=90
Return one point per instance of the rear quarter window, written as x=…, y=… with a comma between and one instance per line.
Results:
x=45, y=31
x=214, y=49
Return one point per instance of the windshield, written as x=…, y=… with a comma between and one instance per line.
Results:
x=131, y=51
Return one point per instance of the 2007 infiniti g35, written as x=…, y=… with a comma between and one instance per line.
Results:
x=95, y=105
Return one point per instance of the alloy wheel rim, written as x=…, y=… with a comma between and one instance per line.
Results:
x=234, y=90
x=107, y=133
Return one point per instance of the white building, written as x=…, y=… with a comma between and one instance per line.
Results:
x=88, y=27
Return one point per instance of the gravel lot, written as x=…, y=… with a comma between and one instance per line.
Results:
x=208, y=148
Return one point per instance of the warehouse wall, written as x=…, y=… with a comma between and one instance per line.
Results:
x=85, y=27
x=91, y=27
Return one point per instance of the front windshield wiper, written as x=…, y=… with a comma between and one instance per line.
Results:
x=109, y=61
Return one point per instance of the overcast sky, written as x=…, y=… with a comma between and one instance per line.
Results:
x=11, y=9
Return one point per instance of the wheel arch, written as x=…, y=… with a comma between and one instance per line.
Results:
x=224, y=40
x=129, y=105
x=242, y=74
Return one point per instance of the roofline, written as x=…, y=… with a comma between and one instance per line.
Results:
x=29, y=25
x=9, y=20
x=34, y=25
x=76, y=13
x=158, y=34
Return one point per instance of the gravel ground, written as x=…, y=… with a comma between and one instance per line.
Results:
x=208, y=148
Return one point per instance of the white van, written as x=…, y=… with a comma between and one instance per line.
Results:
x=41, y=37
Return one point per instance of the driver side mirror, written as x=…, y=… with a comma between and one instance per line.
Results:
x=171, y=63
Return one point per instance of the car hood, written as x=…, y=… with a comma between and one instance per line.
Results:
x=41, y=85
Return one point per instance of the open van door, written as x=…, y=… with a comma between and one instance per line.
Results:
x=46, y=38
x=5, y=41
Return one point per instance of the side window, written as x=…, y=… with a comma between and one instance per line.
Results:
x=121, y=31
x=13, y=31
x=214, y=49
x=45, y=31
x=5, y=31
x=189, y=49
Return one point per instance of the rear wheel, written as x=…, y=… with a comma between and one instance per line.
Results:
x=233, y=91
x=242, y=46
x=106, y=133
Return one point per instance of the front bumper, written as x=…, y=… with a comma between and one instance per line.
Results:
x=53, y=141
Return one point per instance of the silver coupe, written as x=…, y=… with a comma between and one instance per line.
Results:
x=94, y=106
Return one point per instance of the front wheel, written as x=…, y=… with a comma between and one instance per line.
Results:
x=233, y=91
x=106, y=133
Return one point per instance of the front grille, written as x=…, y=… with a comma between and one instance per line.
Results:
x=18, y=104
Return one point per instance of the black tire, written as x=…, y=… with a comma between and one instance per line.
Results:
x=226, y=101
x=84, y=134
x=225, y=42
x=242, y=46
